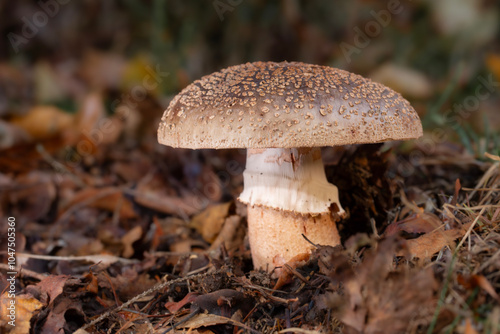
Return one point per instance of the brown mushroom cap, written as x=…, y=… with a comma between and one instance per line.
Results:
x=267, y=104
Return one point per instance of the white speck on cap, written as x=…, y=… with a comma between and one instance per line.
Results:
x=285, y=105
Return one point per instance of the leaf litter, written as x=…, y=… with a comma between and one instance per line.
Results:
x=125, y=239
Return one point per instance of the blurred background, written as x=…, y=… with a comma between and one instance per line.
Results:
x=443, y=56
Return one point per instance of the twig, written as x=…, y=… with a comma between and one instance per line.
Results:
x=84, y=203
x=25, y=272
x=157, y=287
x=484, y=178
x=298, y=330
x=296, y=273
x=58, y=167
x=104, y=258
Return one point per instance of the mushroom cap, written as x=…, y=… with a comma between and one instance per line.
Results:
x=288, y=104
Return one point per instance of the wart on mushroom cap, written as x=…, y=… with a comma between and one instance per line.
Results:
x=266, y=104
x=283, y=106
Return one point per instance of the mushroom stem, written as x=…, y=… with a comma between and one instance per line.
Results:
x=288, y=195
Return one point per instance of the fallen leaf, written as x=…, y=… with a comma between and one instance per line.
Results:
x=122, y=282
x=469, y=329
x=424, y=222
x=25, y=307
x=90, y=281
x=209, y=222
x=176, y=306
x=166, y=204
x=107, y=198
x=380, y=299
x=128, y=239
x=89, y=113
x=66, y=315
x=285, y=274
x=298, y=330
x=42, y=122
x=425, y=246
x=228, y=234
x=473, y=281
x=53, y=286
x=206, y=320
x=32, y=195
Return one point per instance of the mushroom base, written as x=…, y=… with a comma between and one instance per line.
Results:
x=276, y=235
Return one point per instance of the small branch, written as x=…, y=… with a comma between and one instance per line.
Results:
x=157, y=287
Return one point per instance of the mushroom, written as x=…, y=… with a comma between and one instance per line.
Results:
x=283, y=113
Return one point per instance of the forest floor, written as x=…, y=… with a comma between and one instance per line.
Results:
x=129, y=236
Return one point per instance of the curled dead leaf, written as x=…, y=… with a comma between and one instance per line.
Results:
x=286, y=274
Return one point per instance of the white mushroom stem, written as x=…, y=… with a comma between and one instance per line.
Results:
x=288, y=195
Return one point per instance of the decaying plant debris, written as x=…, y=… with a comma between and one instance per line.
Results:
x=139, y=252
x=118, y=234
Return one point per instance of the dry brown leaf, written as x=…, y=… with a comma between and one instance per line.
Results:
x=205, y=320
x=91, y=283
x=32, y=195
x=53, y=285
x=209, y=222
x=94, y=127
x=166, y=204
x=425, y=246
x=424, y=222
x=298, y=330
x=379, y=299
x=176, y=306
x=42, y=122
x=158, y=233
x=228, y=234
x=286, y=275
x=26, y=306
x=128, y=239
x=473, y=281
x=90, y=112
x=493, y=63
x=104, y=198
x=469, y=329
x=66, y=315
